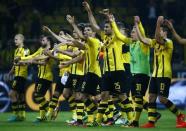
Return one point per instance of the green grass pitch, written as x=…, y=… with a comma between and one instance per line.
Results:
x=166, y=123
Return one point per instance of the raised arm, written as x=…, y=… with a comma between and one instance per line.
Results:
x=140, y=26
x=74, y=60
x=25, y=62
x=62, y=40
x=158, y=37
x=79, y=44
x=141, y=37
x=178, y=38
x=31, y=61
x=71, y=20
x=92, y=19
x=37, y=53
x=68, y=53
x=38, y=62
x=40, y=57
x=51, y=55
x=116, y=31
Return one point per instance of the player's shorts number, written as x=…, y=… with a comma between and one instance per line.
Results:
x=138, y=87
x=162, y=87
x=117, y=86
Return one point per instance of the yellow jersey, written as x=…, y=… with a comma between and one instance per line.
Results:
x=21, y=70
x=78, y=68
x=162, y=58
x=92, y=56
x=64, y=58
x=114, y=58
x=44, y=71
x=113, y=50
x=126, y=58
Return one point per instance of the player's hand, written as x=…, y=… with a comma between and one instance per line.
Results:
x=169, y=24
x=136, y=19
x=45, y=28
x=70, y=19
x=86, y=6
x=16, y=59
x=77, y=52
x=45, y=52
x=62, y=65
x=105, y=12
x=56, y=49
x=160, y=19
x=69, y=37
x=111, y=17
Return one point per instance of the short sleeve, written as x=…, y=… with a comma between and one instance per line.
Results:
x=152, y=43
x=103, y=35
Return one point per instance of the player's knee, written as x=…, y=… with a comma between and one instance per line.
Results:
x=123, y=97
x=66, y=93
x=80, y=96
x=152, y=98
x=162, y=99
x=98, y=98
x=104, y=96
x=56, y=94
x=13, y=95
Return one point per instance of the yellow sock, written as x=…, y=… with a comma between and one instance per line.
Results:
x=90, y=118
x=74, y=114
x=104, y=117
x=22, y=114
x=99, y=117
x=130, y=116
x=101, y=111
x=42, y=113
x=137, y=116
x=50, y=111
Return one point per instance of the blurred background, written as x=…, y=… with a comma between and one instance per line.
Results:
x=28, y=16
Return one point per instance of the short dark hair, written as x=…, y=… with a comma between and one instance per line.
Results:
x=49, y=38
x=87, y=25
x=41, y=37
x=65, y=31
x=165, y=29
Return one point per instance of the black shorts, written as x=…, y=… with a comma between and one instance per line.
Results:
x=91, y=84
x=74, y=82
x=128, y=84
x=140, y=84
x=59, y=86
x=19, y=84
x=160, y=86
x=114, y=82
x=42, y=85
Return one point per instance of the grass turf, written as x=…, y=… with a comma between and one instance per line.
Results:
x=166, y=123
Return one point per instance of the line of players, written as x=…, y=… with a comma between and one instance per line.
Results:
x=90, y=92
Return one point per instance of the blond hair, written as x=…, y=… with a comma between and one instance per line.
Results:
x=20, y=36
